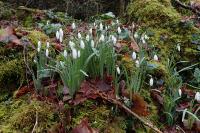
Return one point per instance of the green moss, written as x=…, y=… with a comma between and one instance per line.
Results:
x=19, y=116
x=36, y=36
x=28, y=22
x=10, y=73
x=118, y=125
x=5, y=11
x=153, y=13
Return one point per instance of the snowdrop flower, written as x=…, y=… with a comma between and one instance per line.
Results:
x=87, y=38
x=82, y=44
x=178, y=47
x=117, y=21
x=136, y=35
x=71, y=44
x=119, y=30
x=74, y=53
x=73, y=26
x=151, y=81
x=47, y=53
x=94, y=24
x=60, y=39
x=39, y=46
x=118, y=70
x=102, y=38
x=101, y=26
x=61, y=32
x=57, y=35
x=180, y=92
x=146, y=37
x=143, y=40
x=134, y=55
x=197, y=96
x=48, y=44
x=90, y=31
x=92, y=43
x=65, y=53
x=78, y=53
x=79, y=35
x=155, y=57
x=137, y=63
x=114, y=39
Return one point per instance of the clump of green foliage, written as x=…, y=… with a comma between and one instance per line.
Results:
x=5, y=11
x=34, y=36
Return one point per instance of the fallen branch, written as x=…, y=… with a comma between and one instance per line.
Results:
x=188, y=7
x=31, y=9
x=36, y=123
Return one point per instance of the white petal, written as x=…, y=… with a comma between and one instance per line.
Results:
x=47, y=53
x=155, y=57
x=178, y=47
x=134, y=55
x=137, y=63
x=82, y=44
x=78, y=53
x=197, y=96
x=74, y=53
x=151, y=82
x=73, y=26
x=119, y=30
x=48, y=44
x=87, y=38
x=92, y=43
x=61, y=32
x=101, y=26
x=79, y=35
x=118, y=70
x=57, y=35
x=180, y=92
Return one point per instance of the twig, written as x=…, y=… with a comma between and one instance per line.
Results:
x=36, y=122
x=187, y=7
x=114, y=101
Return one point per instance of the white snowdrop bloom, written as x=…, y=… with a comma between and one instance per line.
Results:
x=90, y=31
x=137, y=63
x=114, y=39
x=143, y=40
x=151, y=81
x=102, y=38
x=74, y=53
x=57, y=35
x=87, y=38
x=71, y=44
x=136, y=35
x=134, y=55
x=101, y=26
x=119, y=30
x=117, y=21
x=39, y=46
x=61, y=32
x=48, y=45
x=155, y=57
x=79, y=35
x=180, y=92
x=82, y=44
x=73, y=26
x=197, y=96
x=47, y=53
x=118, y=70
x=94, y=24
x=146, y=37
x=78, y=53
x=178, y=47
x=61, y=39
x=65, y=53
x=133, y=25
x=92, y=43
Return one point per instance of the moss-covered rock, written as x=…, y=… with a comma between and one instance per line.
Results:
x=20, y=115
x=35, y=36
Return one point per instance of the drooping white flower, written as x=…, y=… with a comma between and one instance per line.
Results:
x=39, y=46
x=82, y=44
x=47, y=53
x=101, y=26
x=90, y=30
x=178, y=47
x=73, y=26
x=71, y=44
x=57, y=35
x=118, y=70
x=137, y=63
x=114, y=39
x=155, y=57
x=102, y=38
x=143, y=40
x=136, y=35
x=74, y=53
x=119, y=30
x=61, y=32
x=60, y=39
x=87, y=38
x=65, y=53
x=48, y=45
x=92, y=43
x=79, y=35
x=197, y=96
x=78, y=53
x=117, y=21
x=180, y=92
x=94, y=24
x=134, y=55
x=146, y=37
x=151, y=81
